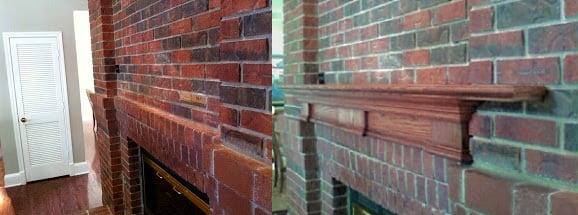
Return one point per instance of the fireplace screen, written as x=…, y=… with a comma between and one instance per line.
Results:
x=166, y=193
x=361, y=205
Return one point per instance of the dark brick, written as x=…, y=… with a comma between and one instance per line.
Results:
x=241, y=140
x=390, y=61
x=249, y=97
x=372, y=3
x=194, y=7
x=497, y=45
x=407, y=6
x=162, y=32
x=558, y=102
x=361, y=19
x=527, y=12
x=390, y=27
x=171, y=43
x=255, y=24
x=555, y=38
x=194, y=39
x=430, y=3
x=433, y=36
x=460, y=31
x=502, y=156
x=449, y=55
x=181, y=111
x=571, y=137
x=403, y=42
x=352, y=8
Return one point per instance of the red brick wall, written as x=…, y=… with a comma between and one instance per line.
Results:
x=518, y=42
x=188, y=81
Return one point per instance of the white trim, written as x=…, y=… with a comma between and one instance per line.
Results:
x=11, y=86
x=79, y=168
x=14, y=179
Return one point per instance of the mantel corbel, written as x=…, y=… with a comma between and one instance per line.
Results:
x=432, y=117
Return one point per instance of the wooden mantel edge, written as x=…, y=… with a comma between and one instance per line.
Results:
x=474, y=92
x=433, y=117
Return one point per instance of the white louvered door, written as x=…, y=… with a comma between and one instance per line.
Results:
x=39, y=92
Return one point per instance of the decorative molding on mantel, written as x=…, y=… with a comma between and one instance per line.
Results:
x=432, y=117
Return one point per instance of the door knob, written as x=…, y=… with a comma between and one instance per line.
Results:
x=23, y=120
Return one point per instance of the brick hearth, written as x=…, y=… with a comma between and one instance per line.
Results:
x=188, y=81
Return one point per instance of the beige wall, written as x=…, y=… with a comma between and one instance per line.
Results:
x=40, y=15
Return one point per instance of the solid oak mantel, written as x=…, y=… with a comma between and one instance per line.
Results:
x=432, y=117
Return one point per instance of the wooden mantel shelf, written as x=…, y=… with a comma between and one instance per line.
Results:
x=432, y=117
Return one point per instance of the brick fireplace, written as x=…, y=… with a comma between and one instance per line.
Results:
x=358, y=124
x=188, y=82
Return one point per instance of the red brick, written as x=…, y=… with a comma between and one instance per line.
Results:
x=380, y=45
x=564, y=202
x=257, y=74
x=571, y=69
x=182, y=84
x=417, y=57
x=431, y=76
x=450, y=12
x=236, y=171
x=402, y=76
x=476, y=73
x=193, y=71
x=488, y=193
x=229, y=72
x=256, y=121
x=531, y=199
x=181, y=26
x=233, y=203
x=532, y=131
x=481, y=19
x=571, y=7
x=480, y=125
x=554, y=166
x=230, y=28
x=417, y=20
x=182, y=56
x=207, y=20
x=263, y=188
x=537, y=71
x=369, y=63
x=231, y=7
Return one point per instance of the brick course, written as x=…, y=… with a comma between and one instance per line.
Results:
x=187, y=81
x=523, y=153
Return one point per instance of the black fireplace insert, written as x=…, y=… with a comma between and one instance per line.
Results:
x=167, y=194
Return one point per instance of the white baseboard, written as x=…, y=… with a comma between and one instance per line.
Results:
x=14, y=179
x=79, y=168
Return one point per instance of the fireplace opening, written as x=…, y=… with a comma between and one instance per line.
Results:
x=165, y=192
x=361, y=205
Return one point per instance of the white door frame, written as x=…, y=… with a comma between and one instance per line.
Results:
x=12, y=86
